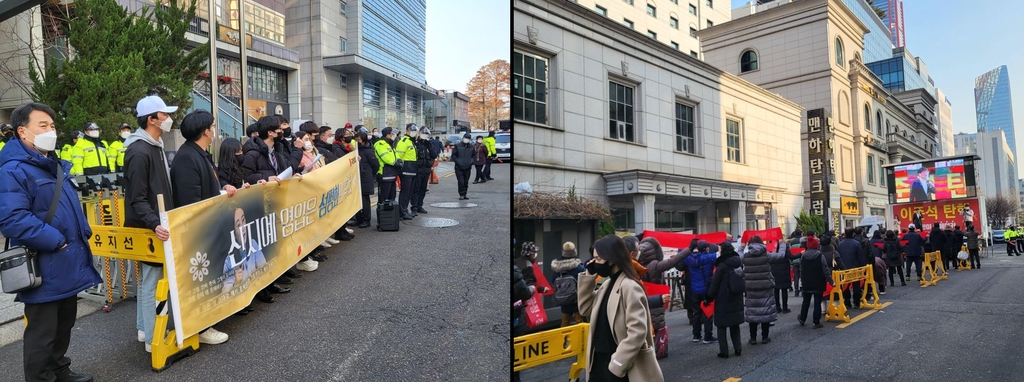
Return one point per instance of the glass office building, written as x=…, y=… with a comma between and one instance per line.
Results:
x=993, y=104
x=900, y=74
x=395, y=35
x=893, y=20
x=876, y=42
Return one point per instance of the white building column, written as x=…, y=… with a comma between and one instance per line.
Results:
x=738, y=218
x=643, y=211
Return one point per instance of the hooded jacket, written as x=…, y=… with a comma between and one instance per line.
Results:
x=781, y=266
x=256, y=161
x=815, y=271
x=700, y=268
x=27, y=189
x=368, y=165
x=653, y=258
x=760, y=285
x=892, y=245
x=326, y=149
x=146, y=175
x=913, y=247
x=462, y=155
x=571, y=267
x=728, y=304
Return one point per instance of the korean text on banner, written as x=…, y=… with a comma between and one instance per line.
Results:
x=227, y=249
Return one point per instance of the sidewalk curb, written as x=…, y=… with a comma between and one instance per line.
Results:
x=13, y=330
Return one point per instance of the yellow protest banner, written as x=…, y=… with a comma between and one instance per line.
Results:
x=224, y=250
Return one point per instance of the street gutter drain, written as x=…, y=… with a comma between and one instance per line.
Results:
x=433, y=222
x=454, y=205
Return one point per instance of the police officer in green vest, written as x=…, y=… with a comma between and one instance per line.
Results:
x=115, y=152
x=89, y=155
x=406, y=151
x=66, y=150
x=6, y=132
x=389, y=166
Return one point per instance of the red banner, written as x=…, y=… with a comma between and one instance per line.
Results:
x=682, y=240
x=771, y=234
x=542, y=281
x=946, y=212
x=656, y=289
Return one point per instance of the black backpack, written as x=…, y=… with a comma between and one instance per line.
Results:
x=892, y=251
x=565, y=289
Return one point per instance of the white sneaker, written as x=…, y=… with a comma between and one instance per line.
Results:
x=307, y=266
x=349, y=230
x=325, y=245
x=331, y=241
x=212, y=337
x=149, y=348
x=142, y=336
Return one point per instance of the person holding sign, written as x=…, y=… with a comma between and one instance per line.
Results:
x=619, y=317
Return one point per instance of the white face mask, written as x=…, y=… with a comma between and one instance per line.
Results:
x=425, y=137
x=308, y=146
x=479, y=141
x=125, y=134
x=46, y=141
x=166, y=124
x=93, y=133
x=413, y=134
x=465, y=140
x=376, y=135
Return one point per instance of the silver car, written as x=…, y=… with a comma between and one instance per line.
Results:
x=503, y=146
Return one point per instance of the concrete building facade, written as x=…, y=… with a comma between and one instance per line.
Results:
x=996, y=173
x=671, y=22
x=994, y=104
x=666, y=141
x=809, y=51
x=945, y=124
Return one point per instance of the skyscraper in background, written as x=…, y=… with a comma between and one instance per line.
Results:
x=893, y=19
x=993, y=104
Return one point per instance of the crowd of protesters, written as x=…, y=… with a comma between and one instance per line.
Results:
x=744, y=282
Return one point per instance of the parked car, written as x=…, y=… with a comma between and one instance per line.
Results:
x=503, y=145
x=997, y=236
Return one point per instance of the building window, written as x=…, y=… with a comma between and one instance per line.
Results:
x=694, y=54
x=652, y=11
x=887, y=127
x=748, y=61
x=867, y=118
x=675, y=45
x=711, y=4
x=710, y=24
x=839, y=52
x=259, y=21
x=651, y=34
x=624, y=220
x=673, y=22
x=881, y=173
x=878, y=122
x=871, y=169
x=601, y=10
x=529, y=83
x=630, y=2
x=343, y=6
x=371, y=92
x=733, y=139
x=675, y=221
x=620, y=112
x=344, y=81
x=693, y=10
x=627, y=23
x=686, y=137
x=693, y=32
x=344, y=45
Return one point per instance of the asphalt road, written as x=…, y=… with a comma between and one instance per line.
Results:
x=421, y=304
x=967, y=328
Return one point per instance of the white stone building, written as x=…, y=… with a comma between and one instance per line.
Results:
x=996, y=172
x=944, y=111
x=810, y=52
x=667, y=141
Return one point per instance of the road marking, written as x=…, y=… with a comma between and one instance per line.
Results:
x=448, y=174
x=373, y=204
x=862, y=315
x=732, y=379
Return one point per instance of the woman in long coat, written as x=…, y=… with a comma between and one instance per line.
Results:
x=728, y=303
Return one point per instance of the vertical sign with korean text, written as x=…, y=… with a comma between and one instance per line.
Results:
x=821, y=160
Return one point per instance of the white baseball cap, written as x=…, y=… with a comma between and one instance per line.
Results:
x=152, y=104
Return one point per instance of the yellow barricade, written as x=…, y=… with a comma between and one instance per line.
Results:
x=552, y=345
x=965, y=264
x=932, y=265
x=836, y=303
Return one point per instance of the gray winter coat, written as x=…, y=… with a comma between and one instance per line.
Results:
x=757, y=273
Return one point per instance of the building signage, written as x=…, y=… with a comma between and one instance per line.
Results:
x=233, y=37
x=871, y=91
x=821, y=164
x=850, y=206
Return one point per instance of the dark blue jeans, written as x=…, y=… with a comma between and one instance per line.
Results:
x=816, y=319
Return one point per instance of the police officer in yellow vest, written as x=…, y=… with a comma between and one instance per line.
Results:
x=89, y=155
x=6, y=132
x=492, y=153
x=389, y=165
x=115, y=151
x=65, y=151
x=406, y=151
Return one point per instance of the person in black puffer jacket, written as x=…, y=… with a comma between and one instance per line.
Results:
x=569, y=264
x=256, y=162
x=653, y=258
x=323, y=144
x=780, y=272
x=367, y=169
x=425, y=156
x=760, y=303
x=728, y=304
x=815, y=272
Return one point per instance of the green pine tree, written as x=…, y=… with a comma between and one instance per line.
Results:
x=808, y=222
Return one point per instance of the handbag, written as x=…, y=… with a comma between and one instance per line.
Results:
x=661, y=343
x=19, y=266
x=535, y=314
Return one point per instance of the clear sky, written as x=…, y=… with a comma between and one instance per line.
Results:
x=462, y=36
x=962, y=39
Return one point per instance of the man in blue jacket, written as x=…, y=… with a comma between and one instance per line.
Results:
x=28, y=167
x=700, y=264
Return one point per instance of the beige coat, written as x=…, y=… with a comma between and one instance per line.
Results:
x=629, y=317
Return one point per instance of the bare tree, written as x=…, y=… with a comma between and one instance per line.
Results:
x=29, y=36
x=1000, y=209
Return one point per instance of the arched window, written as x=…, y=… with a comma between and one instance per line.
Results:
x=839, y=52
x=867, y=118
x=843, y=108
x=886, y=128
x=878, y=122
x=748, y=61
